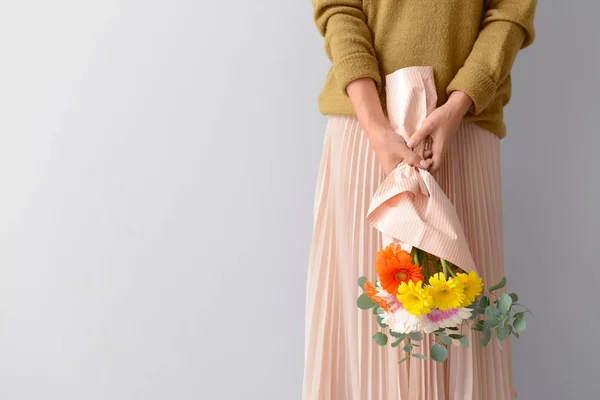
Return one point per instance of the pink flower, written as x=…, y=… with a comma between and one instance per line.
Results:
x=437, y=319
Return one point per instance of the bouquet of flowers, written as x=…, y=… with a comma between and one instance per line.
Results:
x=427, y=279
x=421, y=293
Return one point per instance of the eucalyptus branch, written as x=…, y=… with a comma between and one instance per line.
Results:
x=525, y=308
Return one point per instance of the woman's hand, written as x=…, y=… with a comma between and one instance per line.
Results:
x=442, y=125
x=391, y=149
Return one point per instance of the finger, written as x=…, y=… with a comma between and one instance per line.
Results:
x=410, y=157
x=437, y=157
x=425, y=130
x=427, y=154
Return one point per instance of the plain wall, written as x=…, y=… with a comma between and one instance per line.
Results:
x=551, y=187
x=157, y=171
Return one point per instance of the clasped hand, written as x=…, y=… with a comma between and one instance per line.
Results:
x=441, y=125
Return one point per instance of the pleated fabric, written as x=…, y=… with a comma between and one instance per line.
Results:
x=342, y=362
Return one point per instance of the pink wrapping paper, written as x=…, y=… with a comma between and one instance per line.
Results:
x=409, y=207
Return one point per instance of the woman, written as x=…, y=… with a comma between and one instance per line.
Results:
x=471, y=45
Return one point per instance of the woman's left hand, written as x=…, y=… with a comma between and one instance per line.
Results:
x=442, y=125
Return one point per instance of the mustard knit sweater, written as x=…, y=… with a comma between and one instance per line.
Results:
x=471, y=45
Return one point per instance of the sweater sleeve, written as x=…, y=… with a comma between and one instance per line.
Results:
x=507, y=27
x=348, y=41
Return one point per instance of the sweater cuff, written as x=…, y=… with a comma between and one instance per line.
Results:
x=480, y=87
x=357, y=66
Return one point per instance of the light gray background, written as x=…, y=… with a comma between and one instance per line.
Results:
x=157, y=164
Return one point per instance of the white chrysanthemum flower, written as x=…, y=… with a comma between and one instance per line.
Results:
x=401, y=321
x=437, y=319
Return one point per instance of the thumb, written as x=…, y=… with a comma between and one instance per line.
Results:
x=419, y=135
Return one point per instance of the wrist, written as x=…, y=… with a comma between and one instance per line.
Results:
x=378, y=136
x=460, y=102
x=376, y=127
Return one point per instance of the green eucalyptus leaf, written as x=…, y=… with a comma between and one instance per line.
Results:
x=408, y=348
x=514, y=297
x=416, y=336
x=452, y=328
x=397, y=343
x=504, y=303
x=519, y=323
x=503, y=331
x=500, y=285
x=457, y=337
x=439, y=353
x=361, y=282
x=516, y=334
x=484, y=302
x=375, y=310
x=380, y=322
x=491, y=323
x=485, y=338
x=380, y=338
x=492, y=312
x=421, y=356
x=446, y=339
x=479, y=325
x=400, y=336
x=464, y=341
x=364, y=302
x=404, y=359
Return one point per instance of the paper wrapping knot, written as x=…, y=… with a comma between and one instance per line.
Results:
x=409, y=207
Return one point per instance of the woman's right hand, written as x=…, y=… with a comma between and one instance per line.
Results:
x=391, y=149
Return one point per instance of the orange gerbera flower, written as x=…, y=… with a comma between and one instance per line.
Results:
x=372, y=293
x=383, y=305
x=395, y=266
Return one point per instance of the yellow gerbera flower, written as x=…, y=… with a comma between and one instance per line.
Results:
x=473, y=286
x=446, y=294
x=414, y=298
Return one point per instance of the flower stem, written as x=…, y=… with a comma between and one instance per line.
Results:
x=425, y=263
x=444, y=267
x=434, y=264
x=416, y=255
x=447, y=267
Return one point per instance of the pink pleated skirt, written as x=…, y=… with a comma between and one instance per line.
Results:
x=342, y=361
